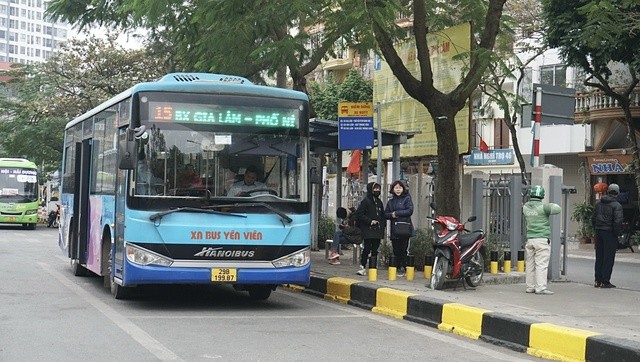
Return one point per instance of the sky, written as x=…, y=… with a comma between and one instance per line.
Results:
x=126, y=39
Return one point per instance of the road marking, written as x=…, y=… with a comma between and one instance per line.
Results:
x=139, y=335
x=412, y=327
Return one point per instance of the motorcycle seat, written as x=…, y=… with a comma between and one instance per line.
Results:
x=470, y=238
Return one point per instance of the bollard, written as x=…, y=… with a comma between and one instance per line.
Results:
x=428, y=266
x=521, y=261
x=410, y=267
x=507, y=262
x=393, y=269
x=373, y=272
x=327, y=247
x=494, y=262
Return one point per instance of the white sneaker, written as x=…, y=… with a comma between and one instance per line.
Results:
x=545, y=292
x=362, y=271
x=334, y=255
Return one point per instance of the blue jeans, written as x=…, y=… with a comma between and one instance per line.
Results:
x=339, y=239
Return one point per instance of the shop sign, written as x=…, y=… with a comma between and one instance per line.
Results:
x=609, y=164
x=493, y=157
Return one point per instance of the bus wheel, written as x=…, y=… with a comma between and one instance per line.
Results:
x=119, y=292
x=77, y=269
x=260, y=292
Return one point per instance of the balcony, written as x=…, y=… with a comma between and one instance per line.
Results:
x=596, y=106
x=337, y=64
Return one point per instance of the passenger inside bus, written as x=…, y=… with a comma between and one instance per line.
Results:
x=189, y=178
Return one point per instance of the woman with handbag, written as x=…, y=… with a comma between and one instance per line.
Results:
x=399, y=210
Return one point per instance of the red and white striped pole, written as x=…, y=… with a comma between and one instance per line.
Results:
x=537, y=111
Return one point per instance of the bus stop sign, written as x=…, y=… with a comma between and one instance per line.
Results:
x=355, y=125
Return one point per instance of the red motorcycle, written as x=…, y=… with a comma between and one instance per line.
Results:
x=458, y=252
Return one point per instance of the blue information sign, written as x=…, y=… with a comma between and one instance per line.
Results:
x=355, y=133
x=493, y=157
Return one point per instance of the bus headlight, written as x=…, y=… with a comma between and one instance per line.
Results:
x=31, y=212
x=145, y=257
x=298, y=259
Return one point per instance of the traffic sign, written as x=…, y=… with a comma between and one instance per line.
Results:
x=355, y=125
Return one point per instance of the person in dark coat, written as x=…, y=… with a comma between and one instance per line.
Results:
x=607, y=220
x=372, y=224
x=399, y=210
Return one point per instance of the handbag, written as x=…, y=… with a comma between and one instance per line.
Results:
x=352, y=233
x=402, y=229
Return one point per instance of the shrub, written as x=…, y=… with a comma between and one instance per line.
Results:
x=384, y=253
x=421, y=245
x=326, y=229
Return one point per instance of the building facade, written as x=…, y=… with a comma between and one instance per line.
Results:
x=26, y=34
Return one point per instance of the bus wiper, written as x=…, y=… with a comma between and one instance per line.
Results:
x=159, y=215
x=284, y=216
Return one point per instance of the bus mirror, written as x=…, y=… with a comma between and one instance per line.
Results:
x=127, y=152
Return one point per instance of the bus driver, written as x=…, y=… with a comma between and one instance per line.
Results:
x=248, y=183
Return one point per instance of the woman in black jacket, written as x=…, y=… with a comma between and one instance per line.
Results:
x=372, y=224
x=399, y=210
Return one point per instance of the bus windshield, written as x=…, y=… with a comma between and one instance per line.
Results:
x=18, y=185
x=207, y=147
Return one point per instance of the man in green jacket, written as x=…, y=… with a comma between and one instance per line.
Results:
x=538, y=248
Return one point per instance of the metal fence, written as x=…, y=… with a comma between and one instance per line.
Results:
x=497, y=206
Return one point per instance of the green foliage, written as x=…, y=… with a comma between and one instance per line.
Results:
x=385, y=253
x=591, y=34
x=355, y=88
x=326, y=229
x=421, y=245
x=325, y=97
x=494, y=243
x=582, y=213
x=42, y=98
x=244, y=37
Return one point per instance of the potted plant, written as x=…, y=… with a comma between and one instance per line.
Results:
x=582, y=215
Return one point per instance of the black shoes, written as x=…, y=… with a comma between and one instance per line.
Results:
x=607, y=285
x=598, y=284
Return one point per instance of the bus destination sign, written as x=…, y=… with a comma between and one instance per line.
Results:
x=222, y=115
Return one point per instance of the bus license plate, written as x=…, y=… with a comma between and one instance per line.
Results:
x=11, y=219
x=223, y=275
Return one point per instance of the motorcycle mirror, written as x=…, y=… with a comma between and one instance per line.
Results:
x=432, y=205
x=471, y=219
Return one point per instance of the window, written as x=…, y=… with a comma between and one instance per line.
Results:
x=554, y=75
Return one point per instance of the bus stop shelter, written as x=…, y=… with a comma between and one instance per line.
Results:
x=324, y=139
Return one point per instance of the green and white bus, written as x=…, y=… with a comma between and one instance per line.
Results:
x=18, y=192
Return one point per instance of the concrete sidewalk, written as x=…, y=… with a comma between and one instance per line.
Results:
x=579, y=322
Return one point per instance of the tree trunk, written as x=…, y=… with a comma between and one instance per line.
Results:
x=448, y=173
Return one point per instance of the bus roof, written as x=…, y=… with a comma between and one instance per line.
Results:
x=197, y=83
x=17, y=163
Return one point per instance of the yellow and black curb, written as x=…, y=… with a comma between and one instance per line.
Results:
x=543, y=340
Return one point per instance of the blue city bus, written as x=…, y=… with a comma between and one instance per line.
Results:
x=145, y=181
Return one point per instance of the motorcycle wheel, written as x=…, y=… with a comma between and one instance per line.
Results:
x=474, y=277
x=439, y=272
